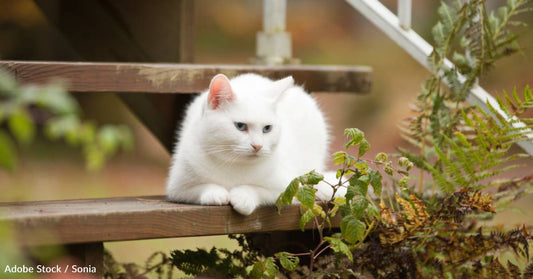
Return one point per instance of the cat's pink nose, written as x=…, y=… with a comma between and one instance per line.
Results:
x=257, y=147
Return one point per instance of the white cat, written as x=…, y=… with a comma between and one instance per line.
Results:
x=243, y=141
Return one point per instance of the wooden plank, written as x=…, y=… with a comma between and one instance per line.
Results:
x=115, y=219
x=182, y=78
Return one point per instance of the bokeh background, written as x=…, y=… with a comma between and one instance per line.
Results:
x=323, y=32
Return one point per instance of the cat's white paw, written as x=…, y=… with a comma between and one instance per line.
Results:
x=215, y=195
x=242, y=201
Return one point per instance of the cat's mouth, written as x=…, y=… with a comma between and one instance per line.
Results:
x=254, y=155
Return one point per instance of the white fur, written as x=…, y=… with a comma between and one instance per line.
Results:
x=215, y=164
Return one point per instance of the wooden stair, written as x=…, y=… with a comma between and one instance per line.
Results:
x=121, y=34
x=181, y=78
x=134, y=218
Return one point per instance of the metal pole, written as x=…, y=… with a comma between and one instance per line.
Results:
x=404, y=13
x=274, y=43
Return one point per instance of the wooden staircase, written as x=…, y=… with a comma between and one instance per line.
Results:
x=124, y=36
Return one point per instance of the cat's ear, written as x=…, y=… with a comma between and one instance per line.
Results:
x=281, y=86
x=219, y=91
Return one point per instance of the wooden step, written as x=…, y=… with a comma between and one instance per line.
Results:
x=133, y=218
x=182, y=78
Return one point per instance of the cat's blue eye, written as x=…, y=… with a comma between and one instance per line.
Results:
x=241, y=126
x=267, y=129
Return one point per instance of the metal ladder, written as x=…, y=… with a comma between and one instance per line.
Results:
x=397, y=27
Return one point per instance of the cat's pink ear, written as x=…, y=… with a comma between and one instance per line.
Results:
x=219, y=91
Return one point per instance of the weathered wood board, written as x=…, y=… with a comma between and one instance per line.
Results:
x=133, y=218
x=181, y=78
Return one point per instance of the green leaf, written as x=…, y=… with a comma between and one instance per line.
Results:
x=439, y=36
x=503, y=11
x=354, y=136
x=94, y=157
x=528, y=96
x=342, y=158
x=319, y=211
x=53, y=97
x=352, y=229
x=287, y=260
x=363, y=147
x=361, y=183
x=108, y=139
x=22, y=127
x=339, y=158
x=345, y=210
x=87, y=133
x=405, y=162
x=388, y=168
x=126, y=137
x=447, y=16
x=306, y=218
x=337, y=202
x=375, y=181
x=381, y=158
x=59, y=127
x=373, y=211
x=361, y=168
x=460, y=60
x=462, y=139
x=311, y=178
x=351, y=191
x=286, y=197
x=359, y=205
x=265, y=269
x=404, y=182
x=7, y=152
x=339, y=246
x=306, y=195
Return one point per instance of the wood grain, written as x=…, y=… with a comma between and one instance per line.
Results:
x=181, y=78
x=132, y=218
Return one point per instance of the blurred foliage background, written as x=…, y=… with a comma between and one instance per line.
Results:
x=323, y=32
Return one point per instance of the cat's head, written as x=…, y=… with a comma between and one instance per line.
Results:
x=240, y=121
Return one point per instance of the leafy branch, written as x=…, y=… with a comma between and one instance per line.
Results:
x=24, y=108
x=474, y=39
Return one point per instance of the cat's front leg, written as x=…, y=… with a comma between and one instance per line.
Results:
x=206, y=194
x=245, y=198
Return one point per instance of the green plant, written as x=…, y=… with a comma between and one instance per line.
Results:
x=391, y=227
x=474, y=39
x=23, y=111
x=59, y=115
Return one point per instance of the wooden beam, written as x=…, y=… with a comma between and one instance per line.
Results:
x=132, y=218
x=182, y=78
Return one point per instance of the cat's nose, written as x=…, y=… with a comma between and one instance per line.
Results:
x=257, y=147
